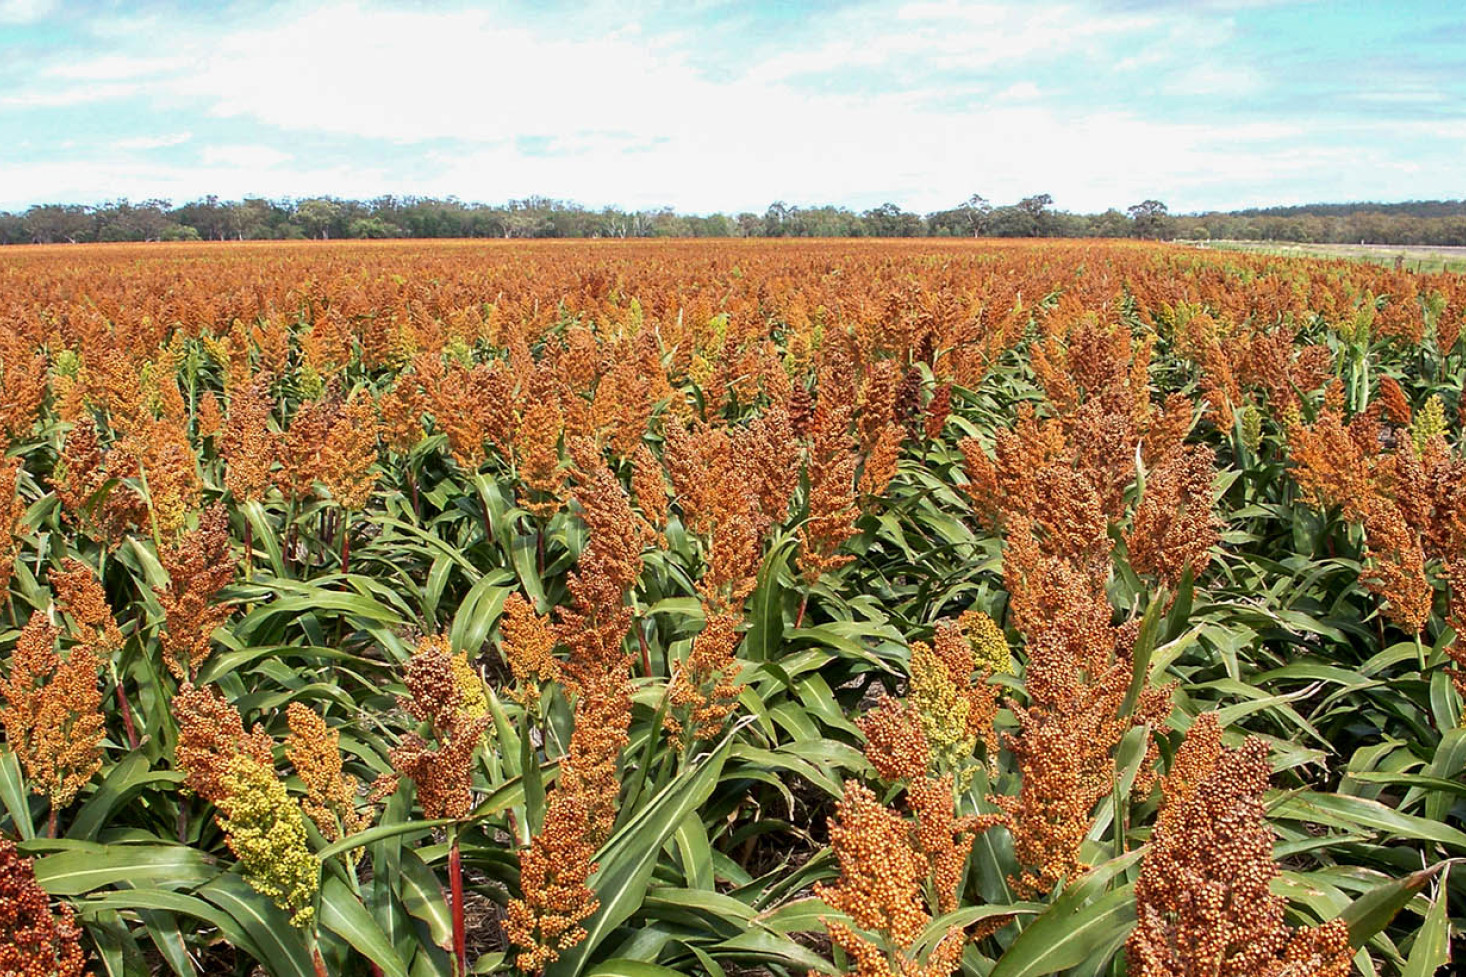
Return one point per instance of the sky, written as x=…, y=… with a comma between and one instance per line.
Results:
x=706, y=105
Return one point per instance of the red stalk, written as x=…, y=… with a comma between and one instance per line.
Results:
x=126, y=710
x=345, y=544
x=455, y=878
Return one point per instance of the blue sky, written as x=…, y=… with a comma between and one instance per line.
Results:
x=707, y=105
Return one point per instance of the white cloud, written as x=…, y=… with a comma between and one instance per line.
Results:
x=247, y=157
x=79, y=180
x=1214, y=79
x=69, y=96
x=115, y=68
x=1023, y=91
x=144, y=143
x=25, y=11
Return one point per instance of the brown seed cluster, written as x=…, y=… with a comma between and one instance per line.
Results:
x=314, y=750
x=552, y=875
x=12, y=511
x=1395, y=561
x=703, y=692
x=349, y=455
x=545, y=920
x=84, y=482
x=880, y=871
x=1175, y=526
x=881, y=461
x=199, y=565
x=37, y=941
x=831, y=473
x=1203, y=898
x=53, y=712
x=527, y=642
x=537, y=458
x=245, y=441
x=595, y=625
x=943, y=838
x=79, y=594
x=443, y=775
x=298, y=447
x=1335, y=462
x=885, y=864
x=895, y=743
x=211, y=735
x=1404, y=486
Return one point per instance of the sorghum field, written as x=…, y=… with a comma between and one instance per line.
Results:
x=736, y=608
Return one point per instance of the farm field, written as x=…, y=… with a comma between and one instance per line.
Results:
x=1428, y=258
x=637, y=609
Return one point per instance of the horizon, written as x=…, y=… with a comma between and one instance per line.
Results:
x=1211, y=107
x=288, y=200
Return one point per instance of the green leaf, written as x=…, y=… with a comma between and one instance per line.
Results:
x=1432, y=948
x=1145, y=643
x=343, y=914
x=621, y=967
x=283, y=951
x=80, y=870
x=627, y=860
x=478, y=612
x=178, y=903
x=695, y=853
x=126, y=778
x=1372, y=912
x=1340, y=810
x=1068, y=932
x=966, y=916
x=378, y=833
x=422, y=896
x=115, y=945
x=766, y=609
x=13, y=794
x=264, y=535
x=769, y=946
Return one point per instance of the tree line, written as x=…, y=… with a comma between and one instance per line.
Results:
x=257, y=218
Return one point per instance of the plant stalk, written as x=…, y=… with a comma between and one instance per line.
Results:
x=455, y=879
x=123, y=707
x=345, y=542
x=646, y=656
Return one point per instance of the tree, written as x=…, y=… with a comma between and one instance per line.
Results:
x=180, y=232
x=977, y=212
x=1036, y=205
x=775, y=218
x=1151, y=219
x=247, y=220
x=1111, y=223
x=749, y=224
x=208, y=215
x=373, y=227
x=52, y=223
x=1012, y=222
x=889, y=220
x=12, y=228
x=1036, y=208
x=317, y=216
